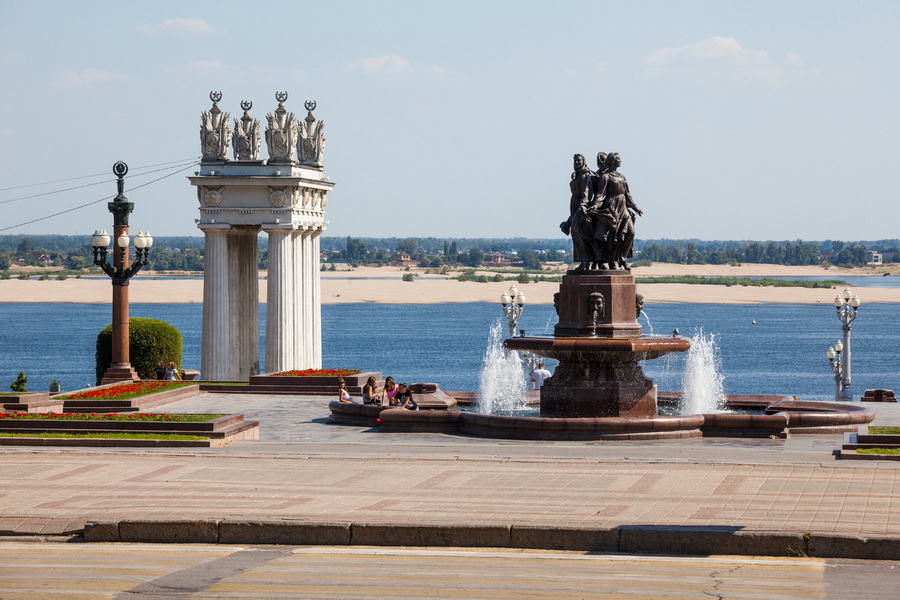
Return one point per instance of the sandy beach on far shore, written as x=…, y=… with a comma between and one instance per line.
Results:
x=384, y=285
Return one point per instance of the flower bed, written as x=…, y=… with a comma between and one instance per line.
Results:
x=133, y=417
x=318, y=373
x=322, y=382
x=125, y=391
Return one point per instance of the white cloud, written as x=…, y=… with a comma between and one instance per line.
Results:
x=181, y=26
x=720, y=55
x=794, y=60
x=442, y=73
x=381, y=64
x=715, y=49
x=88, y=77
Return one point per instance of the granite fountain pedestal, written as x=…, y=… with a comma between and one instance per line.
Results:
x=599, y=346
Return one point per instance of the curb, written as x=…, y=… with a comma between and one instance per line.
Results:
x=636, y=539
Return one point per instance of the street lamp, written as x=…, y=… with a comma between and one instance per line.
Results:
x=837, y=367
x=120, y=273
x=513, y=302
x=847, y=304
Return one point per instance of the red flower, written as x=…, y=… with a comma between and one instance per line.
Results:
x=319, y=373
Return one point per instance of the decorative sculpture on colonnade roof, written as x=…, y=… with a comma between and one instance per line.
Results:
x=312, y=138
x=281, y=134
x=601, y=215
x=215, y=135
x=246, y=135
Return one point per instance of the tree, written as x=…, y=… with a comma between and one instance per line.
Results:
x=20, y=384
x=356, y=250
x=474, y=257
x=409, y=245
x=530, y=259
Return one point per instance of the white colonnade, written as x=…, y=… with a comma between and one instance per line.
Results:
x=284, y=196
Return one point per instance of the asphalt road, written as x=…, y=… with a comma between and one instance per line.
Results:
x=73, y=571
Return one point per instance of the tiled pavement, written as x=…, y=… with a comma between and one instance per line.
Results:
x=303, y=468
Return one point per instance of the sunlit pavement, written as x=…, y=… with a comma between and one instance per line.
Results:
x=118, y=571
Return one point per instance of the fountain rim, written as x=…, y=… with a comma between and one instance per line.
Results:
x=599, y=344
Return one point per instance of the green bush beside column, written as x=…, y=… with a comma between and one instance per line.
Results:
x=150, y=340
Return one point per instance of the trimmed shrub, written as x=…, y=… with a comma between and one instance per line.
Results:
x=149, y=341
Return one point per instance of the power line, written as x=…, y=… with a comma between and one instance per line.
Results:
x=19, y=187
x=78, y=187
x=107, y=198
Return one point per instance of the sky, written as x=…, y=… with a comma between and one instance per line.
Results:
x=766, y=120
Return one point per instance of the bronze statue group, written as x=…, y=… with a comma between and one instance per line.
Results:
x=601, y=215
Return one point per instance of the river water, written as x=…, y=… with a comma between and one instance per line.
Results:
x=782, y=353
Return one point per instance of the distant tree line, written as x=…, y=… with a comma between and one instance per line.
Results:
x=833, y=252
x=178, y=253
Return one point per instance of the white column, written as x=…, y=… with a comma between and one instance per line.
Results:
x=301, y=354
x=280, y=310
x=316, y=301
x=214, y=353
x=243, y=291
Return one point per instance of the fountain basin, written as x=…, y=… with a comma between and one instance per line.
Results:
x=598, y=376
x=784, y=418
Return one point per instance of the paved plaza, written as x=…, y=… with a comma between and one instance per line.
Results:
x=304, y=468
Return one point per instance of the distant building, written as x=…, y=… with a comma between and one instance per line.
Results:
x=874, y=258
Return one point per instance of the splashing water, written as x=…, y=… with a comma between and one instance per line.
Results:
x=647, y=317
x=702, y=385
x=501, y=386
x=549, y=323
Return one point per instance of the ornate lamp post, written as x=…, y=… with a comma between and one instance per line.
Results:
x=512, y=304
x=847, y=303
x=837, y=367
x=120, y=273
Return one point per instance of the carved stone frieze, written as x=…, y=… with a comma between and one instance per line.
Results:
x=215, y=135
x=279, y=197
x=212, y=196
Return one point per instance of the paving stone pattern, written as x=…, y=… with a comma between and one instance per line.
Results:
x=303, y=468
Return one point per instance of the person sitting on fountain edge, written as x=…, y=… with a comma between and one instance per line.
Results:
x=389, y=393
x=370, y=392
x=343, y=395
x=404, y=397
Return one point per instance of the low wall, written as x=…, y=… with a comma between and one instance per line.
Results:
x=786, y=417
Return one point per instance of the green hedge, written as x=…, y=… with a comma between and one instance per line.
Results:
x=150, y=340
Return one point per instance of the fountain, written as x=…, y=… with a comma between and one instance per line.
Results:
x=501, y=386
x=702, y=386
x=598, y=340
x=599, y=390
x=599, y=347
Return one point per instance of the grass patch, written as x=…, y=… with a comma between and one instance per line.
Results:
x=742, y=281
x=109, y=436
x=885, y=430
x=134, y=417
x=878, y=450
